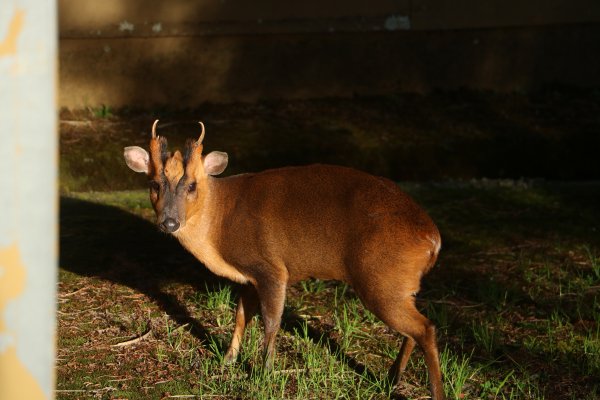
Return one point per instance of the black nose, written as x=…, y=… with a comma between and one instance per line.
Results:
x=169, y=225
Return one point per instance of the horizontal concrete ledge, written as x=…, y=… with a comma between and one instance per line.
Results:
x=383, y=23
x=127, y=29
x=175, y=18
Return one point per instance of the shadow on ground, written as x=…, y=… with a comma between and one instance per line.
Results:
x=106, y=242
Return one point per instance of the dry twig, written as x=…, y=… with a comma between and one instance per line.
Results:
x=134, y=340
x=72, y=293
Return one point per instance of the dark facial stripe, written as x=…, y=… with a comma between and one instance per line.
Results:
x=158, y=151
x=189, y=150
x=164, y=153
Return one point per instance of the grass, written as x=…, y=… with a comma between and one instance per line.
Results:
x=515, y=297
x=102, y=111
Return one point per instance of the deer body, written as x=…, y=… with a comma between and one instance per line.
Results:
x=271, y=229
x=316, y=221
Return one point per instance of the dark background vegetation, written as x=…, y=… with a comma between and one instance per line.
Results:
x=552, y=133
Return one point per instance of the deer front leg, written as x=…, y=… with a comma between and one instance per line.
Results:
x=272, y=298
x=246, y=309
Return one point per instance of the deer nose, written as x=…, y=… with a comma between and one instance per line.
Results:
x=169, y=225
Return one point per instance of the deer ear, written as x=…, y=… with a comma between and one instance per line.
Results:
x=137, y=159
x=215, y=162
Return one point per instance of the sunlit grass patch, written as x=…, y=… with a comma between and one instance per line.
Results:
x=514, y=297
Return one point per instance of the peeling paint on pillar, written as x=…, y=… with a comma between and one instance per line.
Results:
x=8, y=46
x=28, y=198
x=16, y=380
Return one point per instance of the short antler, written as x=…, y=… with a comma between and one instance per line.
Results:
x=202, y=134
x=154, y=129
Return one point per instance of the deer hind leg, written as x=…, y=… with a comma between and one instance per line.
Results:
x=396, y=307
x=246, y=309
x=399, y=365
x=411, y=323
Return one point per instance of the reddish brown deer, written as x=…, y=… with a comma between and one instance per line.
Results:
x=271, y=229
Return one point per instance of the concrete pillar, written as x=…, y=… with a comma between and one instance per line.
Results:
x=28, y=198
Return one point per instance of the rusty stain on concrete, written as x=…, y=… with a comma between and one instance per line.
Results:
x=8, y=46
x=16, y=382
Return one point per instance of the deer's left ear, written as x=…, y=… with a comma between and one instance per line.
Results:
x=215, y=162
x=137, y=159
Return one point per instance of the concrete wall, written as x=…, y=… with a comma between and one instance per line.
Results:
x=183, y=53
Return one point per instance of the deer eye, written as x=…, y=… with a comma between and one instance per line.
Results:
x=154, y=186
x=192, y=187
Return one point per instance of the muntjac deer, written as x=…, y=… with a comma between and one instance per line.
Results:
x=271, y=229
